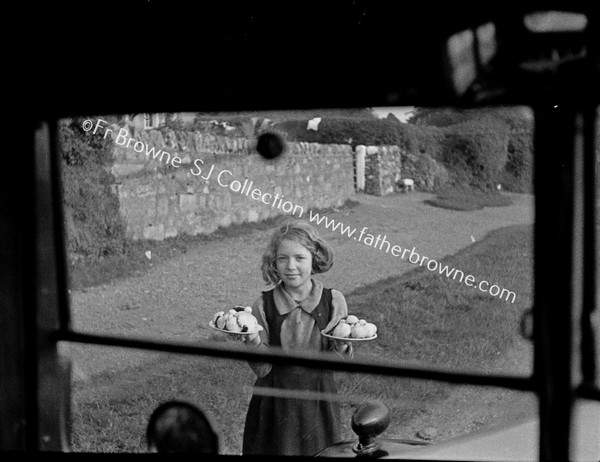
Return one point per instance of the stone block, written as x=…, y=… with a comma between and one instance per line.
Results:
x=150, y=207
x=126, y=169
x=144, y=190
x=154, y=232
x=187, y=203
x=170, y=227
x=181, y=175
x=226, y=202
x=134, y=232
x=226, y=220
x=170, y=232
x=252, y=216
x=162, y=207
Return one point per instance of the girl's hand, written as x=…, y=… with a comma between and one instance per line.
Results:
x=251, y=340
x=342, y=345
x=334, y=322
x=344, y=349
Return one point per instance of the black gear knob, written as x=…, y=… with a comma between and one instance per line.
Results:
x=369, y=421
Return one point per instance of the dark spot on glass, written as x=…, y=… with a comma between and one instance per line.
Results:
x=270, y=145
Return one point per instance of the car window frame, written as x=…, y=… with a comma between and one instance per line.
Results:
x=48, y=321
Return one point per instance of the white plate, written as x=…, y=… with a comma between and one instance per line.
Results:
x=348, y=339
x=212, y=324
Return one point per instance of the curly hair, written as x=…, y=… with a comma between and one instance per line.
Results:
x=304, y=234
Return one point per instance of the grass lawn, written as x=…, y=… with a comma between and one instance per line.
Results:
x=466, y=199
x=422, y=318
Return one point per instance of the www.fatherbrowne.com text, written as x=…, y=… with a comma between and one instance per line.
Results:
x=381, y=243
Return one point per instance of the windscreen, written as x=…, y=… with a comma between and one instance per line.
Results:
x=399, y=234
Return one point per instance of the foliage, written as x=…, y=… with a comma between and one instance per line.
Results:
x=239, y=126
x=174, y=122
x=479, y=147
x=475, y=152
x=518, y=171
x=92, y=220
x=421, y=140
x=471, y=143
x=353, y=131
x=281, y=115
x=517, y=175
x=251, y=124
x=437, y=117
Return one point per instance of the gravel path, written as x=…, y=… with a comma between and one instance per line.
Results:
x=176, y=299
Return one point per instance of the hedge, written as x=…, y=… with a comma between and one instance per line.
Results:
x=93, y=224
x=353, y=131
x=479, y=151
x=475, y=152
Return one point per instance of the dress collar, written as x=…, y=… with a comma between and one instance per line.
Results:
x=285, y=303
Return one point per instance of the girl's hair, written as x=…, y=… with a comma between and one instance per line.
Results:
x=304, y=234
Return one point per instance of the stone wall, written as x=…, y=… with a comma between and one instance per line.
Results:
x=382, y=168
x=185, y=182
x=379, y=168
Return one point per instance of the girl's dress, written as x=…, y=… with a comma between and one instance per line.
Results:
x=286, y=426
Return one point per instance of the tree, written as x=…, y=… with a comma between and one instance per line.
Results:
x=437, y=117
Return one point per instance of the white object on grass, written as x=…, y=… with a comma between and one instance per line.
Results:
x=407, y=184
x=313, y=124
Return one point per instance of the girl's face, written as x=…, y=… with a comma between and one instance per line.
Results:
x=294, y=264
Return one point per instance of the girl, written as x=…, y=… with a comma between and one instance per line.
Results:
x=292, y=315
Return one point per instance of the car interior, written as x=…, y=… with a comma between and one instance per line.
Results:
x=115, y=62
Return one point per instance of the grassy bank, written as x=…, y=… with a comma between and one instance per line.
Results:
x=466, y=199
x=422, y=317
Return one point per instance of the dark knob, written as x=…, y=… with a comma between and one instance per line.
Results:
x=368, y=421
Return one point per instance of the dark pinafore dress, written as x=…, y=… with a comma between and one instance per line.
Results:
x=286, y=426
